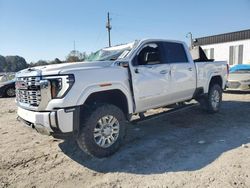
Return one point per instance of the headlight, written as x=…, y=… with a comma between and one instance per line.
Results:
x=60, y=85
x=245, y=80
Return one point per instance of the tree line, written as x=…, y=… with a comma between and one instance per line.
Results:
x=17, y=63
x=12, y=63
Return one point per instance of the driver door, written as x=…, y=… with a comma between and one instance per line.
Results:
x=150, y=77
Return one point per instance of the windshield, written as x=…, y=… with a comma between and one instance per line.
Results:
x=112, y=53
x=240, y=69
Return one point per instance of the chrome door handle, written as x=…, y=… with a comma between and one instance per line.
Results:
x=190, y=69
x=163, y=72
x=136, y=70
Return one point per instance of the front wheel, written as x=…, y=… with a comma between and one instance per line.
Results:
x=212, y=102
x=102, y=130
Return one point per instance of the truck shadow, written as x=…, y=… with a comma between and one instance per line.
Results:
x=184, y=141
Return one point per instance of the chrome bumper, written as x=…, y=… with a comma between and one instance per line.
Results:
x=46, y=123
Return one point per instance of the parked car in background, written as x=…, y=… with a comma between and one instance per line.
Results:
x=7, y=85
x=239, y=78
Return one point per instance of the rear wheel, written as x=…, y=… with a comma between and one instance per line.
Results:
x=102, y=130
x=212, y=102
x=10, y=92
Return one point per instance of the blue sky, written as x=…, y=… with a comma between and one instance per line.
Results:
x=46, y=29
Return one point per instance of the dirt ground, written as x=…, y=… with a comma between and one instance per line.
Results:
x=185, y=149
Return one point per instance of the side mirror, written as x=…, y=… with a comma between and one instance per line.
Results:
x=123, y=64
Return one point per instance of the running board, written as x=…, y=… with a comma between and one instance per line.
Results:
x=161, y=114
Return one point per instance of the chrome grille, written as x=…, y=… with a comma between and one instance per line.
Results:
x=28, y=90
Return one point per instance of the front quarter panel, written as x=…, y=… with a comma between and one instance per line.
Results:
x=94, y=80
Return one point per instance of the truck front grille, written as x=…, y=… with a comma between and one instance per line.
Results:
x=28, y=90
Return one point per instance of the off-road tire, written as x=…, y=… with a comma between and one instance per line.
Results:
x=91, y=116
x=206, y=102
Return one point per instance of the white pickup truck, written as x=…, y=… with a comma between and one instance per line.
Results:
x=93, y=100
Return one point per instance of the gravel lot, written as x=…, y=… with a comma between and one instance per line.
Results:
x=185, y=149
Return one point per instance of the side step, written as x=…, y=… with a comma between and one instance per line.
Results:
x=158, y=115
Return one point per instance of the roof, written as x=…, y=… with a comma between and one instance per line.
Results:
x=221, y=38
x=120, y=47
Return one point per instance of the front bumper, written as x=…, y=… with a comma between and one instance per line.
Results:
x=238, y=86
x=60, y=121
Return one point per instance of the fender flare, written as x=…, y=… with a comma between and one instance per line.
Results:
x=96, y=88
x=209, y=81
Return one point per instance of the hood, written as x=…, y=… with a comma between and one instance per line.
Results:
x=62, y=68
x=238, y=76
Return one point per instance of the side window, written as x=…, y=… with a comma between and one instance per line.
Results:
x=149, y=55
x=175, y=52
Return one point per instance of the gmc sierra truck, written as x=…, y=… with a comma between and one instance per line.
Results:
x=93, y=100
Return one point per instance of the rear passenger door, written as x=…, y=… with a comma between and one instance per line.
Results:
x=182, y=71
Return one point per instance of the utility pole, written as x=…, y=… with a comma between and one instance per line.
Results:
x=74, y=48
x=189, y=34
x=74, y=45
x=108, y=26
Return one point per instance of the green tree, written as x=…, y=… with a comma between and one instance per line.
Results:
x=15, y=63
x=43, y=62
x=73, y=59
x=2, y=63
x=38, y=63
x=55, y=61
x=76, y=56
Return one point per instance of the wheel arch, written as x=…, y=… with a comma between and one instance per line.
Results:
x=214, y=79
x=113, y=96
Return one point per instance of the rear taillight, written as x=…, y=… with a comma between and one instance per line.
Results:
x=227, y=70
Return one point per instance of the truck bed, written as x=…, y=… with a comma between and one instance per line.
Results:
x=207, y=69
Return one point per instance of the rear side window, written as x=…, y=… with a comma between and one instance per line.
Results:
x=174, y=52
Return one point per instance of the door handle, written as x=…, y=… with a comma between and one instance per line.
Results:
x=163, y=72
x=190, y=69
x=136, y=70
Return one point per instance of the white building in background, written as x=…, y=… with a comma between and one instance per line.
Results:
x=231, y=47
